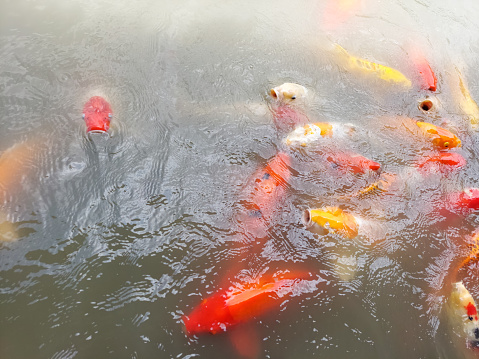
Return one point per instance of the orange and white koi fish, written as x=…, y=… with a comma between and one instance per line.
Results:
x=374, y=70
x=440, y=162
x=463, y=313
x=324, y=220
x=439, y=136
x=351, y=162
x=97, y=114
x=241, y=303
x=314, y=132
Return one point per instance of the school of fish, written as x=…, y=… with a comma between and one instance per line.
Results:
x=239, y=302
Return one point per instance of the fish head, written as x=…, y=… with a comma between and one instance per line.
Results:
x=289, y=93
x=210, y=316
x=97, y=114
x=440, y=137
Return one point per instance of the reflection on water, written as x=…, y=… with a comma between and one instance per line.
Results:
x=120, y=236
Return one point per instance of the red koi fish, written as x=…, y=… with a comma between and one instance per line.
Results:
x=428, y=80
x=463, y=202
x=97, y=114
x=338, y=12
x=442, y=162
x=267, y=187
x=240, y=304
x=351, y=162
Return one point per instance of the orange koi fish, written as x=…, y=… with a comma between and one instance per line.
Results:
x=439, y=136
x=463, y=312
x=97, y=114
x=333, y=219
x=372, y=69
x=241, y=303
x=385, y=181
x=351, y=162
x=473, y=255
x=441, y=162
x=268, y=186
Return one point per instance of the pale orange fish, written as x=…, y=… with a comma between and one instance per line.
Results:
x=332, y=219
x=439, y=136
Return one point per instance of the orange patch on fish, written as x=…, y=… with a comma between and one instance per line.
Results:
x=439, y=136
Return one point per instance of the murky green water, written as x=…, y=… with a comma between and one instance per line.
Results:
x=120, y=237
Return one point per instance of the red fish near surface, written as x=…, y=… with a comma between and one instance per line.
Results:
x=240, y=304
x=97, y=114
x=427, y=77
x=352, y=162
x=463, y=202
x=267, y=187
x=442, y=162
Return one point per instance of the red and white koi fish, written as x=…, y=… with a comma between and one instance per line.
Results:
x=462, y=202
x=97, y=114
x=439, y=136
x=463, y=313
x=351, y=162
x=440, y=162
x=286, y=114
x=241, y=303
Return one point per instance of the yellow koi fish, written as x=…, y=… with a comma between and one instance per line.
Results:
x=382, y=185
x=381, y=72
x=468, y=105
x=463, y=314
x=331, y=219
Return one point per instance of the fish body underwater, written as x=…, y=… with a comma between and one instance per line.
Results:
x=97, y=114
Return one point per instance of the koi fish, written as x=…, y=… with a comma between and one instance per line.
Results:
x=427, y=77
x=463, y=311
x=467, y=104
x=346, y=161
x=240, y=304
x=473, y=255
x=440, y=137
x=337, y=12
x=463, y=202
x=286, y=114
x=442, y=162
x=268, y=186
x=382, y=185
x=289, y=93
x=97, y=114
x=333, y=219
x=313, y=132
x=372, y=69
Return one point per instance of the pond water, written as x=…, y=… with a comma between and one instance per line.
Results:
x=118, y=237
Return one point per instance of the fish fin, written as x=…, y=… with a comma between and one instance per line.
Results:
x=245, y=339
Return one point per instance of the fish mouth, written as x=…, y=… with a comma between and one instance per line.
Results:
x=274, y=94
x=97, y=131
x=306, y=218
x=426, y=105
